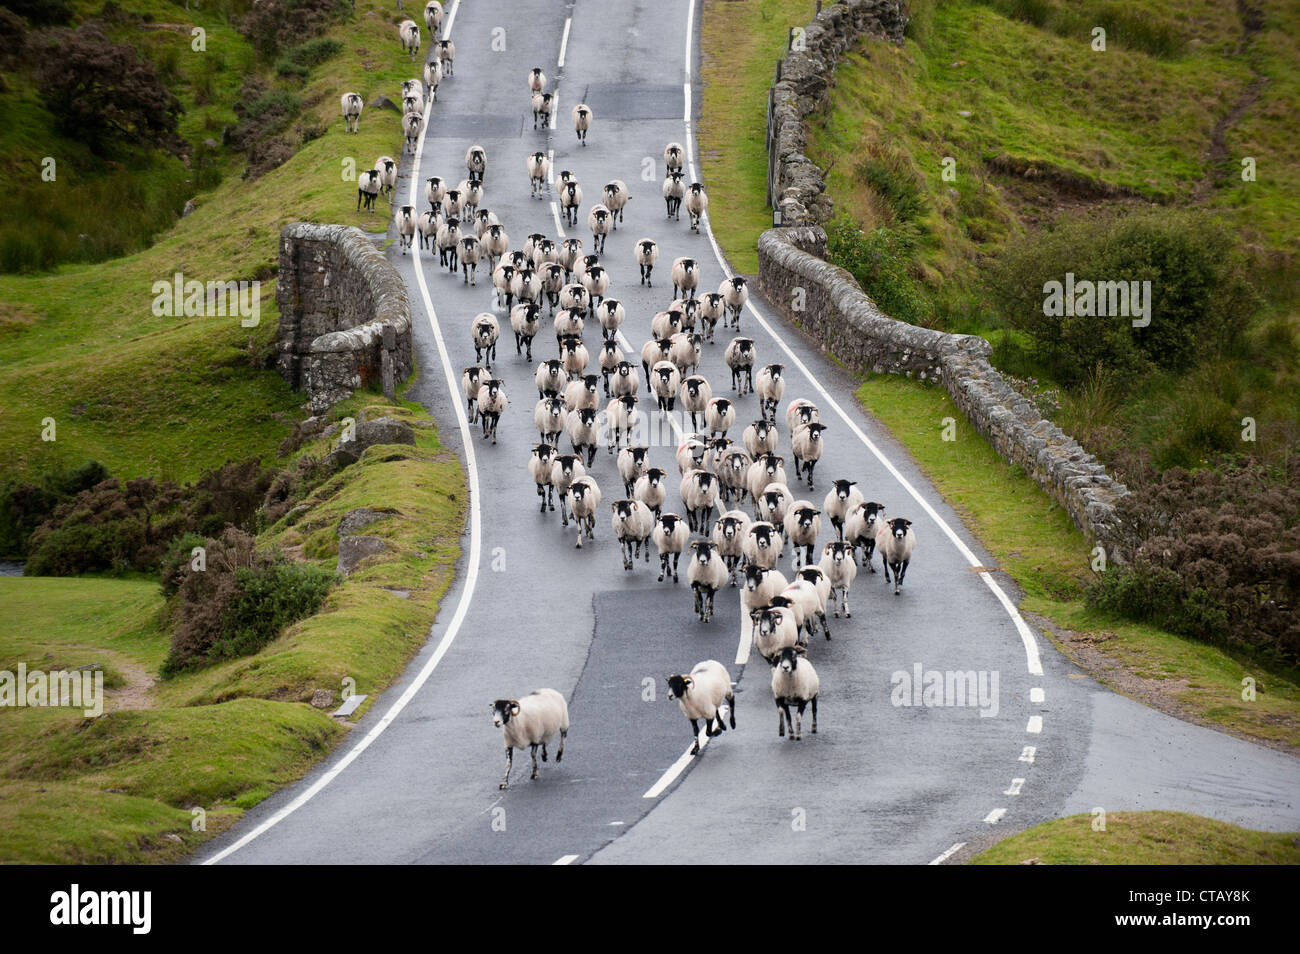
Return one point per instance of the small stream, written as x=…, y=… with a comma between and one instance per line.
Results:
x=9, y=568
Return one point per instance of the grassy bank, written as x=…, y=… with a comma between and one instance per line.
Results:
x=1143, y=838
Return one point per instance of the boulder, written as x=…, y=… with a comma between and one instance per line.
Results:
x=358, y=519
x=353, y=549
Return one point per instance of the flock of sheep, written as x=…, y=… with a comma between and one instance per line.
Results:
x=716, y=473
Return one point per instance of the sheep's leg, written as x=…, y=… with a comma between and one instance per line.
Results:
x=780, y=720
x=543, y=751
x=847, y=614
x=676, y=557
x=798, y=720
x=695, y=734
x=814, y=708
x=826, y=627
x=534, y=775
x=663, y=566
x=510, y=754
x=559, y=754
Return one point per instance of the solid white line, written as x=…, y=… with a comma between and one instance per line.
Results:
x=555, y=211
x=675, y=769
x=564, y=860
x=1026, y=634
x=949, y=853
x=1035, y=724
x=564, y=41
x=1036, y=695
x=475, y=549
x=451, y=18
x=995, y=816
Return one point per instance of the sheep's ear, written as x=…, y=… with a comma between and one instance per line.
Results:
x=908, y=522
x=514, y=707
x=688, y=681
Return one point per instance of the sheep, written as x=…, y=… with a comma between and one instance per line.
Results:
x=860, y=530
x=409, y=32
x=633, y=463
x=686, y=352
x=697, y=201
x=760, y=438
x=801, y=411
x=574, y=355
x=405, y=221
x=729, y=533
x=633, y=524
x=568, y=322
x=584, y=265
x=582, y=121
x=611, y=356
x=616, y=197
x=476, y=163
x=699, y=493
x=531, y=721
x=774, y=503
x=542, y=104
x=647, y=253
x=761, y=544
x=794, y=682
x=674, y=156
x=525, y=285
x=529, y=247
x=774, y=629
x=710, y=309
x=585, y=503
x=536, y=80
x=690, y=309
x=841, y=569
x=368, y=186
x=667, y=323
x=686, y=276
x=651, y=489
x=432, y=80
x=352, y=105
x=670, y=536
x=690, y=455
x=427, y=226
x=447, y=239
x=387, y=167
x=551, y=276
x=761, y=584
x=413, y=97
x=665, y=382
x=821, y=584
x=622, y=417
x=596, y=281
x=740, y=359
x=735, y=293
x=599, y=221
x=447, y=57
x=470, y=380
x=841, y=500
x=896, y=540
x=412, y=126
x=719, y=415
x=674, y=190
x=496, y=243
x=731, y=471
x=805, y=600
x=807, y=447
x=570, y=201
x=550, y=378
x=696, y=394
x=549, y=416
x=453, y=203
x=539, y=168
x=471, y=191
x=485, y=220
x=565, y=469
x=611, y=314
x=624, y=380
x=770, y=388
x=706, y=573
x=539, y=469
x=567, y=254
x=583, y=435
x=803, y=523
x=435, y=190
x=470, y=251
x=581, y=393
x=766, y=469
x=492, y=404
x=433, y=16
x=704, y=694
x=503, y=277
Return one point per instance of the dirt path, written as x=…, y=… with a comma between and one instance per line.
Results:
x=1216, y=157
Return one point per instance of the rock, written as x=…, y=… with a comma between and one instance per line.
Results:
x=382, y=430
x=353, y=549
x=212, y=144
x=382, y=102
x=358, y=519
x=189, y=208
x=322, y=699
x=339, y=458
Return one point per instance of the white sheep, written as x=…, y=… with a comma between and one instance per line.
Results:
x=435, y=190
x=729, y=534
x=622, y=418
x=412, y=126
x=666, y=323
x=476, y=162
x=432, y=79
x=453, y=203
x=585, y=503
x=652, y=490
x=596, y=281
x=633, y=463
x=712, y=307
x=633, y=524
x=539, y=168
x=801, y=411
x=624, y=380
x=740, y=357
x=719, y=415
x=470, y=251
x=471, y=191
x=616, y=198
x=674, y=190
x=496, y=243
x=448, y=242
x=807, y=446
x=570, y=250
x=611, y=355
x=539, y=469
x=387, y=167
x=704, y=694
x=735, y=292
x=732, y=470
x=841, y=500
x=447, y=57
x=841, y=570
x=670, y=535
x=697, y=202
x=570, y=201
x=492, y=404
x=686, y=352
x=696, y=394
x=860, y=530
x=405, y=221
x=665, y=382
x=536, y=79
x=774, y=629
x=794, y=682
x=600, y=221
x=582, y=393
x=433, y=16
x=707, y=573
x=542, y=104
x=647, y=253
x=761, y=544
x=565, y=469
x=549, y=416
x=552, y=282
x=574, y=355
x=352, y=106
x=550, y=378
x=526, y=285
x=368, y=186
x=531, y=721
x=611, y=315
x=674, y=156
x=470, y=381
x=568, y=322
x=699, y=493
x=582, y=117
x=409, y=32
x=653, y=352
x=766, y=469
x=760, y=438
x=806, y=598
x=583, y=433
x=770, y=388
x=484, y=219
x=774, y=503
x=427, y=226
x=803, y=524
x=896, y=540
x=686, y=276
x=761, y=584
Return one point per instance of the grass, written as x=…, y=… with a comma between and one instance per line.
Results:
x=1143, y=838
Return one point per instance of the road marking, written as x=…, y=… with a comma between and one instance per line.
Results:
x=451, y=18
x=1036, y=695
x=995, y=816
x=564, y=41
x=949, y=853
x=471, y=578
x=564, y=860
x=1016, y=783
x=675, y=769
x=1026, y=634
x=550, y=167
x=1035, y=725
x=555, y=108
x=1027, y=754
x=555, y=211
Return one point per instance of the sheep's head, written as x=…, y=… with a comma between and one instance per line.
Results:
x=788, y=658
x=678, y=686
x=503, y=710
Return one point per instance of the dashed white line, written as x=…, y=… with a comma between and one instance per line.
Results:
x=564, y=860
x=1036, y=695
x=675, y=769
x=555, y=211
x=1014, y=789
x=564, y=41
x=995, y=816
x=1035, y=725
x=1028, y=754
x=555, y=108
x=451, y=18
x=550, y=169
x=949, y=853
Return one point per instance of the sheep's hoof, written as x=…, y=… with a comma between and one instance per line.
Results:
x=502, y=786
x=661, y=577
x=695, y=749
x=533, y=777
x=848, y=615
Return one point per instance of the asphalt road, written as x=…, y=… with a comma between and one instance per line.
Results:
x=879, y=782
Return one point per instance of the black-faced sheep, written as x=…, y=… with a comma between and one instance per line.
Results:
x=707, y=573
x=896, y=540
x=794, y=683
x=531, y=721
x=703, y=694
x=352, y=106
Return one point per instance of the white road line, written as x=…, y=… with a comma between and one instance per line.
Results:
x=1027, y=754
x=675, y=769
x=1016, y=784
x=949, y=853
x=995, y=816
x=564, y=860
x=475, y=550
x=555, y=211
x=550, y=169
x=564, y=41
x=451, y=18
x=746, y=635
x=1036, y=695
x=1035, y=725
x=1026, y=634
x=555, y=108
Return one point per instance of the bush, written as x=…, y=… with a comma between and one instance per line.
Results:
x=24, y=505
x=1201, y=301
x=879, y=260
x=266, y=600
x=273, y=25
x=298, y=60
x=41, y=12
x=178, y=560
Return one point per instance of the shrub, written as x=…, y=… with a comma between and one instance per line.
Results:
x=273, y=25
x=178, y=560
x=266, y=600
x=879, y=260
x=298, y=60
x=25, y=505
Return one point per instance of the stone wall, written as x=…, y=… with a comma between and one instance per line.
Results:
x=337, y=296
x=804, y=80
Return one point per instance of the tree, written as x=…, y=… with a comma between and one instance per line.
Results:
x=103, y=92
